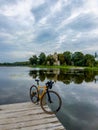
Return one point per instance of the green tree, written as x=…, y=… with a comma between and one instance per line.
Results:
x=78, y=58
x=61, y=58
x=67, y=57
x=42, y=58
x=96, y=63
x=89, y=60
x=50, y=60
x=33, y=60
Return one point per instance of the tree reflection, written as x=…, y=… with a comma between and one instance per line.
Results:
x=66, y=76
x=89, y=76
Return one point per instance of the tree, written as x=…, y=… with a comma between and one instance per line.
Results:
x=78, y=58
x=50, y=60
x=61, y=59
x=96, y=63
x=89, y=60
x=67, y=57
x=42, y=58
x=33, y=60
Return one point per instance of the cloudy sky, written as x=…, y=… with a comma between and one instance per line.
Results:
x=30, y=27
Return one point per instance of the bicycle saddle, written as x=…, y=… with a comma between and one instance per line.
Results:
x=37, y=80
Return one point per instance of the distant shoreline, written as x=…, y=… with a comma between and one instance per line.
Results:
x=54, y=67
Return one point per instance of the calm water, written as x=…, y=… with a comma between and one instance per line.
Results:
x=78, y=90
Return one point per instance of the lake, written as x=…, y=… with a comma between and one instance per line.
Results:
x=78, y=90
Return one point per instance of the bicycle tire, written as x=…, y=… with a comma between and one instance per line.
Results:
x=51, y=108
x=34, y=94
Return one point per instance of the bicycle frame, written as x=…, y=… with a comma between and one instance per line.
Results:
x=44, y=89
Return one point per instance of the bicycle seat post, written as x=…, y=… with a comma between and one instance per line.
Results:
x=37, y=81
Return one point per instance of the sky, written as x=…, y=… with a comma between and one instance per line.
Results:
x=29, y=27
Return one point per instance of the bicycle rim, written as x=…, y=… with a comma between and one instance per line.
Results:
x=34, y=94
x=51, y=107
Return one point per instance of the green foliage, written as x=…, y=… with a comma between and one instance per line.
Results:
x=67, y=57
x=42, y=59
x=24, y=63
x=78, y=59
x=33, y=60
x=50, y=60
x=66, y=76
x=89, y=60
x=61, y=59
x=96, y=63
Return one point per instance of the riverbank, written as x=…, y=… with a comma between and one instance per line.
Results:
x=67, y=67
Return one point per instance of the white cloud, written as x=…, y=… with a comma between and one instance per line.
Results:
x=57, y=7
x=91, y=49
x=61, y=40
x=21, y=11
x=54, y=10
x=92, y=6
x=20, y=55
x=6, y=35
x=68, y=20
x=78, y=35
x=43, y=21
x=30, y=27
x=21, y=8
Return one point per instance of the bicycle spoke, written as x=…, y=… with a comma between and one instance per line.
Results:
x=34, y=94
x=53, y=105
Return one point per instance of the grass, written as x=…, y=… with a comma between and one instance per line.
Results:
x=91, y=68
x=66, y=67
x=54, y=66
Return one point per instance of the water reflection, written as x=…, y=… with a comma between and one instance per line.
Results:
x=79, y=93
x=78, y=90
x=14, y=84
x=66, y=76
x=80, y=107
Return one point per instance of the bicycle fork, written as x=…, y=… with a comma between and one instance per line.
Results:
x=49, y=98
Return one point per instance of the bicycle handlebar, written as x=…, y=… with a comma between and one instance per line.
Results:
x=49, y=84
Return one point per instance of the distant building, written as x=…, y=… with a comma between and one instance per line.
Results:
x=56, y=61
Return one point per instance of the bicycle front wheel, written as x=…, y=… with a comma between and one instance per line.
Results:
x=53, y=106
x=34, y=94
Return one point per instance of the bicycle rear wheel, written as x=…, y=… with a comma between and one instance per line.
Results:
x=53, y=106
x=34, y=94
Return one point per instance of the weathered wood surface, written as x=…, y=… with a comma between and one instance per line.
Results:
x=27, y=116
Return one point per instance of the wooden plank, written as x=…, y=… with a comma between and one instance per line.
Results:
x=27, y=116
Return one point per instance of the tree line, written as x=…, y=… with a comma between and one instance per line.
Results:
x=65, y=58
x=25, y=63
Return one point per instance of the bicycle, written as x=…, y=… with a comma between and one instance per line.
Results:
x=50, y=101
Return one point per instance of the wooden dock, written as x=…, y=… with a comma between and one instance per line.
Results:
x=27, y=116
